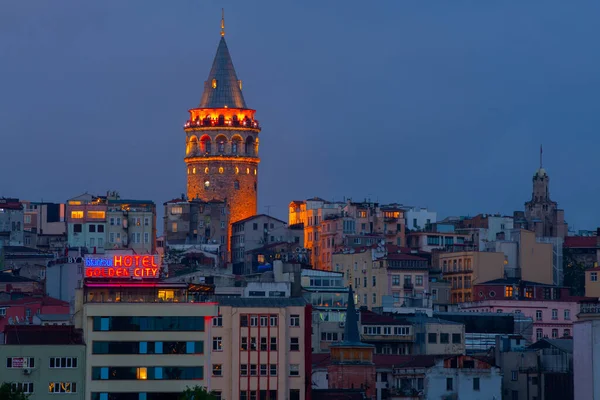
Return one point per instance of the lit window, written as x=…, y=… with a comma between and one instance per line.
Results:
x=237, y=170
x=174, y=210
x=166, y=295
x=96, y=214
x=217, y=370
x=194, y=170
x=220, y=170
x=173, y=227
x=206, y=170
x=508, y=292
x=142, y=373
x=254, y=171
x=248, y=171
x=76, y=214
x=206, y=184
x=214, y=83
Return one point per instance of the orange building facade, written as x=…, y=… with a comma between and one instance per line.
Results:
x=222, y=142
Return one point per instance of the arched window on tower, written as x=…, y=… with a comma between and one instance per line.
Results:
x=221, y=141
x=221, y=119
x=236, y=143
x=205, y=143
x=249, y=150
x=192, y=146
x=235, y=120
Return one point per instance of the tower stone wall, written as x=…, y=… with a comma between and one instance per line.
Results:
x=221, y=145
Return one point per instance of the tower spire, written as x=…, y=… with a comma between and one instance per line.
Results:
x=541, y=155
x=222, y=22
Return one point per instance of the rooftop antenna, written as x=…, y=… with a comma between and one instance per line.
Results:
x=222, y=22
x=541, y=155
x=269, y=209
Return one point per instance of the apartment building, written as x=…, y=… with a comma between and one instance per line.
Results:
x=384, y=270
x=43, y=361
x=467, y=268
x=11, y=222
x=44, y=224
x=330, y=226
x=260, y=232
x=97, y=223
x=260, y=349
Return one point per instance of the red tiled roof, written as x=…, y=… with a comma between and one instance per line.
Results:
x=404, y=257
x=45, y=301
x=369, y=317
x=402, y=361
x=39, y=334
x=581, y=242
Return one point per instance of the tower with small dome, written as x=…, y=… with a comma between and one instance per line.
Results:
x=542, y=215
x=221, y=142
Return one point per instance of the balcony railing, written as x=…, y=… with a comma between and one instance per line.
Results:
x=205, y=123
x=589, y=308
x=409, y=286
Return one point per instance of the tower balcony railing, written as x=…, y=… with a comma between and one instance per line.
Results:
x=207, y=122
x=200, y=153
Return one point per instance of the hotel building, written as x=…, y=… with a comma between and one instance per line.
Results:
x=146, y=340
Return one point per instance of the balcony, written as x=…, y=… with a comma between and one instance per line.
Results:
x=226, y=123
x=408, y=286
x=387, y=338
x=589, y=309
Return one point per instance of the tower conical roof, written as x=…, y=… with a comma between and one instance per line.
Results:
x=351, y=334
x=222, y=88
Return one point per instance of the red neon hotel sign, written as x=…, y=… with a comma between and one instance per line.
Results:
x=122, y=267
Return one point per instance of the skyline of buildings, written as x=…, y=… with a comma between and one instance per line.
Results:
x=250, y=306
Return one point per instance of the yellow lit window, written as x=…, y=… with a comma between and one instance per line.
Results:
x=194, y=170
x=237, y=170
x=142, y=373
x=76, y=214
x=206, y=170
x=214, y=83
x=254, y=171
x=96, y=214
x=248, y=171
x=166, y=295
x=508, y=292
x=74, y=203
x=220, y=170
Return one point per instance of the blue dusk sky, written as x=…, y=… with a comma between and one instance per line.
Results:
x=441, y=104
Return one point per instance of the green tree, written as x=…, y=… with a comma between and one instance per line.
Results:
x=196, y=393
x=574, y=273
x=6, y=393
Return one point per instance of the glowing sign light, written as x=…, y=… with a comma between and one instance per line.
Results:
x=122, y=267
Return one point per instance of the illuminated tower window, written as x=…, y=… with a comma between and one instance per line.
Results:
x=254, y=171
x=214, y=83
x=248, y=171
x=188, y=171
x=220, y=170
x=194, y=170
x=236, y=185
x=206, y=184
x=237, y=170
x=206, y=170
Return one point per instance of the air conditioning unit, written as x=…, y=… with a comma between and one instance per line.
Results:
x=27, y=371
x=342, y=324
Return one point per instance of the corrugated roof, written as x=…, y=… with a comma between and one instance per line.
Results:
x=269, y=302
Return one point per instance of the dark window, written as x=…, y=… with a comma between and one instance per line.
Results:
x=432, y=338
x=100, y=228
x=294, y=394
x=77, y=228
x=475, y=383
x=149, y=324
x=449, y=384
x=255, y=226
x=243, y=320
x=92, y=228
x=456, y=338
x=444, y=338
x=470, y=364
x=294, y=344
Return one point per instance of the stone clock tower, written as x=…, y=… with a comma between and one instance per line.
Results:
x=221, y=151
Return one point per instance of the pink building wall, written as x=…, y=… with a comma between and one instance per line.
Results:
x=541, y=312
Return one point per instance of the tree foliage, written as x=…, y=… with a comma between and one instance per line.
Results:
x=573, y=273
x=6, y=393
x=196, y=393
